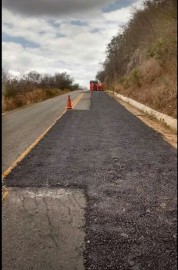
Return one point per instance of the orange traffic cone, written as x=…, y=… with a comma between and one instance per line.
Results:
x=69, y=106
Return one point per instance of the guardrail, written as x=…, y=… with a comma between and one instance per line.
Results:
x=168, y=120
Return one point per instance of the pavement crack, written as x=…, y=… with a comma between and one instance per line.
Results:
x=68, y=209
x=76, y=201
x=50, y=223
x=22, y=199
x=36, y=203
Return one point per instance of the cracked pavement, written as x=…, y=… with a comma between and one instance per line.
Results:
x=43, y=229
x=127, y=173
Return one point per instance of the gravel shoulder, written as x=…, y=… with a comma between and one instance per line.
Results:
x=168, y=135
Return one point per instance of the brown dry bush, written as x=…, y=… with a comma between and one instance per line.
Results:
x=37, y=95
x=32, y=88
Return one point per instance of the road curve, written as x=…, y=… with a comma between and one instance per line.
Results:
x=21, y=127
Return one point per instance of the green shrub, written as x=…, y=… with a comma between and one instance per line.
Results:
x=135, y=77
x=124, y=81
x=9, y=91
x=160, y=50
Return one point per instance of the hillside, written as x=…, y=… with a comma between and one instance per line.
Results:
x=141, y=61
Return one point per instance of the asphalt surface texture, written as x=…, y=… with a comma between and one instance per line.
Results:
x=43, y=229
x=128, y=175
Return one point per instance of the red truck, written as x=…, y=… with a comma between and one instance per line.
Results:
x=96, y=86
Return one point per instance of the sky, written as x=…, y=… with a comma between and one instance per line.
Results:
x=51, y=36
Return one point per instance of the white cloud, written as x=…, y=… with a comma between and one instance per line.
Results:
x=120, y=16
x=14, y=73
x=55, y=7
x=62, y=46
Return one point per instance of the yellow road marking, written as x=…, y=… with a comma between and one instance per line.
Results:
x=14, y=164
x=4, y=195
x=77, y=100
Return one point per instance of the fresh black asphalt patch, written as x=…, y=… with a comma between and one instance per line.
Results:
x=128, y=173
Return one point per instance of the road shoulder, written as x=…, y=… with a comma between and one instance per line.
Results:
x=167, y=134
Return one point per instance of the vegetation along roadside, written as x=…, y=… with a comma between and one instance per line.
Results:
x=33, y=87
x=141, y=61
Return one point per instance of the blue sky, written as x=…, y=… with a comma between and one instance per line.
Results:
x=57, y=36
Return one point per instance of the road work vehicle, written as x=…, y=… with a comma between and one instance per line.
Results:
x=96, y=86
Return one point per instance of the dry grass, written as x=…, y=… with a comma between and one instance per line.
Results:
x=26, y=98
x=151, y=70
x=141, y=62
x=158, y=87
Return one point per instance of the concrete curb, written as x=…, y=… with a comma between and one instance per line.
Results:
x=169, y=121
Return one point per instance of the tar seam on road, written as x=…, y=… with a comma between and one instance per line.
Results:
x=10, y=168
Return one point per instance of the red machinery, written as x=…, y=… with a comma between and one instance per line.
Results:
x=96, y=86
x=100, y=87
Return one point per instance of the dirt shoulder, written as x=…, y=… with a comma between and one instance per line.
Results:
x=167, y=134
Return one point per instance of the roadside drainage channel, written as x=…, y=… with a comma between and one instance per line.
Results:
x=43, y=228
x=84, y=103
x=168, y=120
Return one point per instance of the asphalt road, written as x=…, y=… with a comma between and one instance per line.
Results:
x=128, y=175
x=42, y=229
x=21, y=127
